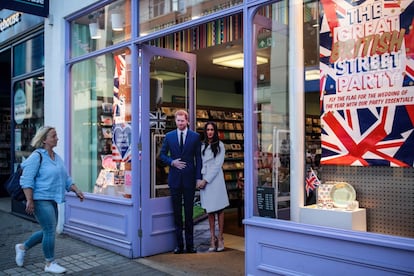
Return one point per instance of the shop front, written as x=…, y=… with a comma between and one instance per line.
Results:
x=295, y=105
x=21, y=92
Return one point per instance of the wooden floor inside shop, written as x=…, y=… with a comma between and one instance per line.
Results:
x=232, y=222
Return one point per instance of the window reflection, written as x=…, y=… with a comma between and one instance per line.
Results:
x=159, y=14
x=101, y=124
x=28, y=56
x=101, y=28
x=28, y=116
x=272, y=154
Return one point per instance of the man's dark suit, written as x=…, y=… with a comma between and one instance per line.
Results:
x=182, y=182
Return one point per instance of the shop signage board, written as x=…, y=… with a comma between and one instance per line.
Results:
x=266, y=201
x=367, y=82
x=12, y=23
x=35, y=7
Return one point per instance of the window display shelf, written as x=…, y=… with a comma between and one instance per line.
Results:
x=335, y=217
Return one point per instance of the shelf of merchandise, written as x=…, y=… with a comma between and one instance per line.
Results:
x=104, y=136
x=313, y=140
x=230, y=127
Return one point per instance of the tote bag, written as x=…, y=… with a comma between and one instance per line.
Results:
x=12, y=184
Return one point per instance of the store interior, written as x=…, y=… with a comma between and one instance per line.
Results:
x=219, y=94
x=219, y=99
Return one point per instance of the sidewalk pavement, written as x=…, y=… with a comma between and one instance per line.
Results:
x=81, y=258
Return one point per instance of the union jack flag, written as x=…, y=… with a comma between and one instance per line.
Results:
x=381, y=131
x=119, y=74
x=311, y=181
x=158, y=120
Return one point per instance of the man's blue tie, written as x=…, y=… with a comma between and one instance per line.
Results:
x=182, y=141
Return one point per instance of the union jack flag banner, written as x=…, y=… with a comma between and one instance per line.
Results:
x=311, y=181
x=367, y=82
x=157, y=120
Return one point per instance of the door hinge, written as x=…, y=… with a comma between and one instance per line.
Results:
x=140, y=233
x=139, y=146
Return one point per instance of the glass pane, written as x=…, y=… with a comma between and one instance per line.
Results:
x=312, y=98
x=29, y=56
x=169, y=92
x=101, y=124
x=272, y=156
x=28, y=114
x=101, y=28
x=358, y=124
x=159, y=14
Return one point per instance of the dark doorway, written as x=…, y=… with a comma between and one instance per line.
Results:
x=5, y=115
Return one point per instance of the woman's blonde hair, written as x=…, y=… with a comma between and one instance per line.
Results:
x=40, y=136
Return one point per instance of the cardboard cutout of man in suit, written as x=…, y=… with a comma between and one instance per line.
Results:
x=181, y=150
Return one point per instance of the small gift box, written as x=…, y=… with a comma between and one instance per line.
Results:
x=324, y=192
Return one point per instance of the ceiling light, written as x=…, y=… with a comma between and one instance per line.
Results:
x=166, y=75
x=236, y=60
x=94, y=30
x=117, y=22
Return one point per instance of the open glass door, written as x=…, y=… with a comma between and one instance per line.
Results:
x=167, y=85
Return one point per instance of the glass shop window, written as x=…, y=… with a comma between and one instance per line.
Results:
x=101, y=124
x=272, y=156
x=357, y=134
x=158, y=14
x=101, y=28
x=29, y=56
x=28, y=115
x=359, y=155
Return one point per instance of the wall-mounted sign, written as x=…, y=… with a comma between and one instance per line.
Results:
x=13, y=23
x=10, y=21
x=35, y=7
x=367, y=82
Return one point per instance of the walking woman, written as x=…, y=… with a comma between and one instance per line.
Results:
x=213, y=192
x=44, y=182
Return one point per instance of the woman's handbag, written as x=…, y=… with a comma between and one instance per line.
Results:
x=13, y=183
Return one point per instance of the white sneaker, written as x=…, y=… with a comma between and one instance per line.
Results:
x=55, y=268
x=19, y=254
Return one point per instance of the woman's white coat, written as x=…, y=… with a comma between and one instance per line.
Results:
x=214, y=196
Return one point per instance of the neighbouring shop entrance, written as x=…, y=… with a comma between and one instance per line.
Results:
x=5, y=118
x=22, y=105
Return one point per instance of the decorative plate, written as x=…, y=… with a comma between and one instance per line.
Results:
x=342, y=194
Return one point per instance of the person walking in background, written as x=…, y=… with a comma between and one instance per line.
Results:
x=44, y=182
x=213, y=192
x=181, y=150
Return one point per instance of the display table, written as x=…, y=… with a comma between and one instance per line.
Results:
x=336, y=217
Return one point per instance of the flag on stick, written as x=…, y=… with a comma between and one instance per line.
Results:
x=311, y=181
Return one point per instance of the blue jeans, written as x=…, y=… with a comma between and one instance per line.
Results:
x=46, y=213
